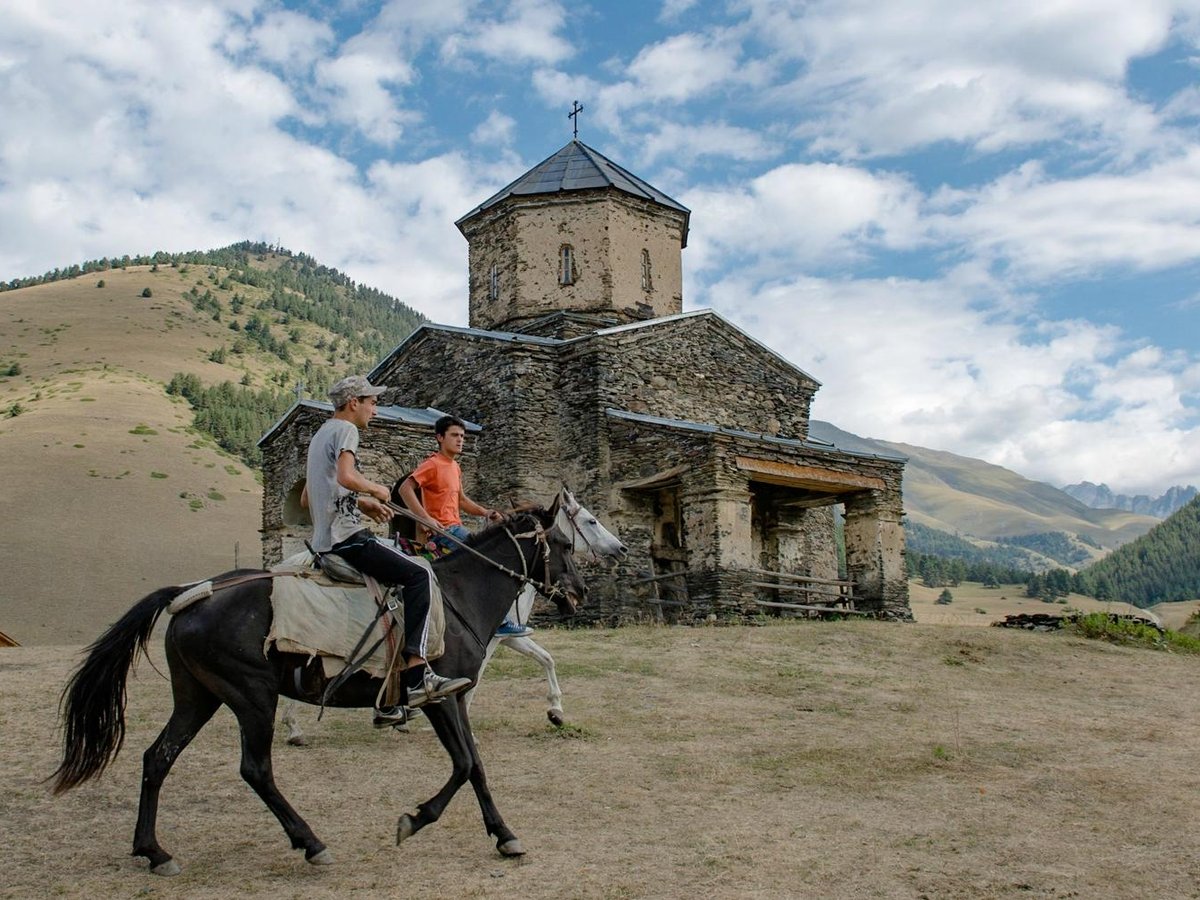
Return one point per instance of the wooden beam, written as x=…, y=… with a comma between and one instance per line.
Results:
x=802, y=578
x=814, y=478
x=807, y=608
x=658, y=479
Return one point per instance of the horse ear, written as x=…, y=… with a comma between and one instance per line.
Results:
x=554, y=506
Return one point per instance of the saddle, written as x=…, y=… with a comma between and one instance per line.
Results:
x=324, y=612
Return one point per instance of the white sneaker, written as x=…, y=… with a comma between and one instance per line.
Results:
x=435, y=687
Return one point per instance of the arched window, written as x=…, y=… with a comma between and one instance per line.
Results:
x=494, y=283
x=566, y=264
x=647, y=284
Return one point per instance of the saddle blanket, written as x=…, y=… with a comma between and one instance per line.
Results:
x=317, y=616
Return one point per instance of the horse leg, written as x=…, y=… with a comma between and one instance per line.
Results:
x=288, y=719
x=488, y=653
x=194, y=706
x=255, y=711
x=531, y=648
x=506, y=842
x=447, y=719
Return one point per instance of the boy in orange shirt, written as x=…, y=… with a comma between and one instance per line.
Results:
x=442, y=498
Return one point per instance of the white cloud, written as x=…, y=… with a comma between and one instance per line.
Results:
x=884, y=78
x=495, y=131
x=798, y=215
x=686, y=143
x=1044, y=228
x=927, y=363
x=289, y=39
x=528, y=33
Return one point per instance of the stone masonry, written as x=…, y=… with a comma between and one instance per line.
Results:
x=685, y=435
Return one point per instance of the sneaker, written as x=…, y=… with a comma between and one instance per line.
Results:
x=513, y=629
x=434, y=687
x=391, y=717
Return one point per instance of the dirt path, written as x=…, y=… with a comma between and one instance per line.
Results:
x=797, y=760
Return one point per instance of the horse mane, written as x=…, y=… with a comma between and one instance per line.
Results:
x=523, y=510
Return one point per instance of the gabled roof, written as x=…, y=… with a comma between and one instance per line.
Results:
x=577, y=167
x=405, y=415
x=710, y=314
x=511, y=337
x=536, y=340
x=820, y=446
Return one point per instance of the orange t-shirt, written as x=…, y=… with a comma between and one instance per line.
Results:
x=440, y=479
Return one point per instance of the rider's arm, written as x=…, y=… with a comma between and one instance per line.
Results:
x=304, y=498
x=353, y=480
x=469, y=506
x=408, y=493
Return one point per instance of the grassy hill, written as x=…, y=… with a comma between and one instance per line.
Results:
x=109, y=491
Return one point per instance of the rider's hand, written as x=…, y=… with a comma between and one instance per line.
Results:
x=380, y=493
x=374, y=509
x=494, y=515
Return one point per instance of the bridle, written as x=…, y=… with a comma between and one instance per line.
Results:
x=575, y=529
x=539, y=534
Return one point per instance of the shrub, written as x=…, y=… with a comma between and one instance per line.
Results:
x=945, y=597
x=1102, y=626
x=146, y=292
x=100, y=283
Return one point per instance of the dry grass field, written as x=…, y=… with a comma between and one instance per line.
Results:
x=825, y=760
x=974, y=604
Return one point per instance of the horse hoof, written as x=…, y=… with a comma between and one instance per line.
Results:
x=298, y=740
x=406, y=827
x=324, y=858
x=511, y=848
x=167, y=869
x=556, y=717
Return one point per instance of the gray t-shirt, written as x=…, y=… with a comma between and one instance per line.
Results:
x=334, y=509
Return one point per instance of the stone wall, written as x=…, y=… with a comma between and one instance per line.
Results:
x=607, y=231
x=508, y=387
x=386, y=452
x=697, y=368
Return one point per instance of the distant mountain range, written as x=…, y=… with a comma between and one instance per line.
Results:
x=975, y=499
x=1100, y=496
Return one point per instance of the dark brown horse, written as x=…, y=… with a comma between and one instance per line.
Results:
x=215, y=652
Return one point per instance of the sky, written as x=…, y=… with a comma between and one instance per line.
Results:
x=977, y=224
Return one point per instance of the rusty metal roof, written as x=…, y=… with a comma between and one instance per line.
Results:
x=577, y=167
x=407, y=415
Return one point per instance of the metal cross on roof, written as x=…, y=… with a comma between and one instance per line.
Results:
x=576, y=109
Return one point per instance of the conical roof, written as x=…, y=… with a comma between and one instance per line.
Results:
x=577, y=167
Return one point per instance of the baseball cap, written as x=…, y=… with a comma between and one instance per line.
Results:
x=353, y=386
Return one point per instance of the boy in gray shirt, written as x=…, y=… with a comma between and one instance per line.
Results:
x=338, y=495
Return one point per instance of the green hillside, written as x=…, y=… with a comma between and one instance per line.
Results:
x=1162, y=566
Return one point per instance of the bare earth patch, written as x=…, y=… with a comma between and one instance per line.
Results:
x=849, y=759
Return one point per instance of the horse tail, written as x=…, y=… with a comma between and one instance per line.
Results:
x=92, y=706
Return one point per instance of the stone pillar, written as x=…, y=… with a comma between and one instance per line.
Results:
x=716, y=526
x=875, y=553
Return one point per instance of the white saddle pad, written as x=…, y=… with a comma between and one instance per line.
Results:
x=319, y=617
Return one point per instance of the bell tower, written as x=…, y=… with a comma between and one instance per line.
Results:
x=576, y=237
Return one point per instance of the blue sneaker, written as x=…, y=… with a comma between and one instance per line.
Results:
x=512, y=629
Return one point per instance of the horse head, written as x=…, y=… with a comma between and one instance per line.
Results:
x=551, y=568
x=584, y=529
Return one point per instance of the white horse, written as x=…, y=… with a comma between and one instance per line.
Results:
x=588, y=535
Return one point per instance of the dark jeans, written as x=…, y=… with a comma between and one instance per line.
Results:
x=388, y=565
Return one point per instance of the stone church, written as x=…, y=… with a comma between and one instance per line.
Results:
x=685, y=435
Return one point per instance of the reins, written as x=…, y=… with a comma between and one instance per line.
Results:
x=546, y=589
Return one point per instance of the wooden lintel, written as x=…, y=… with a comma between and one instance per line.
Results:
x=658, y=479
x=813, y=478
